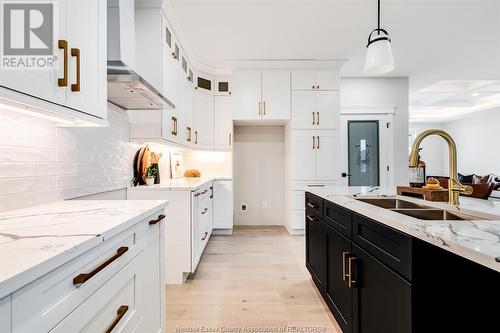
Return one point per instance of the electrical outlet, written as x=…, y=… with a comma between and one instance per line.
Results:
x=264, y=204
x=243, y=207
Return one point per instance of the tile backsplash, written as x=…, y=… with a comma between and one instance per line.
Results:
x=40, y=162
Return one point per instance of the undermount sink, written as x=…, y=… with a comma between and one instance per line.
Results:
x=418, y=211
x=390, y=203
x=435, y=214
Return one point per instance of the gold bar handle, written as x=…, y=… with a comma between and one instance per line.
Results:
x=122, y=310
x=155, y=221
x=174, y=131
x=317, y=146
x=76, y=53
x=63, y=82
x=311, y=218
x=189, y=134
x=314, y=119
x=351, y=282
x=314, y=142
x=317, y=118
x=344, y=256
x=84, y=277
x=313, y=206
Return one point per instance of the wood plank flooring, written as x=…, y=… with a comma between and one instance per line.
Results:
x=254, y=279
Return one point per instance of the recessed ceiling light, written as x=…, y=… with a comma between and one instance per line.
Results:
x=475, y=94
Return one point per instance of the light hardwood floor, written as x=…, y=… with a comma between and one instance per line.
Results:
x=255, y=278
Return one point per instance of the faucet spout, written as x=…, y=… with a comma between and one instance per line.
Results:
x=454, y=186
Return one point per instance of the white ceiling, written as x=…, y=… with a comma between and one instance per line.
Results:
x=432, y=40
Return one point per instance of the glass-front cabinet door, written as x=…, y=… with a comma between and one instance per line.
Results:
x=363, y=153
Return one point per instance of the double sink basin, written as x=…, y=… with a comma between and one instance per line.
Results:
x=418, y=211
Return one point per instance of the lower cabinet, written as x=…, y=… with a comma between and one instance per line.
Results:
x=315, y=249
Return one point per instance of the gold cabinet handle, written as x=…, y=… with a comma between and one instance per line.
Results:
x=230, y=141
x=260, y=108
x=119, y=315
x=313, y=206
x=76, y=53
x=205, y=235
x=264, y=108
x=344, y=256
x=351, y=281
x=204, y=211
x=317, y=118
x=314, y=142
x=317, y=145
x=84, y=277
x=314, y=118
x=195, y=137
x=313, y=87
x=174, y=131
x=173, y=55
x=155, y=221
x=317, y=87
x=63, y=82
x=188, y=139
x=311, y=218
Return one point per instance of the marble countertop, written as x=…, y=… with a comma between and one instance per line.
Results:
x=38, y=239
x=476, y=240
x=179, y=184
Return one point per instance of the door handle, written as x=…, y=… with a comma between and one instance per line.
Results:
x=311, y=218
x=351, y=281
x=155, y=221
x=230, y=141
x=76, y=53
x=313, y=206
x=196, y=137
x=264, y=103
x=174, y=131
x=314, y=118
x=344, y=256
x=119, y=315
x=260, y=108
x=345, y=174
x=63, y=82
x=204, y=211
x=317, y=118
x=84, y=277
x=314, y=142
x=188, y=139
x=317, y=146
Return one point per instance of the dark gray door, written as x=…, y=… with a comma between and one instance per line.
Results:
x=363, y=152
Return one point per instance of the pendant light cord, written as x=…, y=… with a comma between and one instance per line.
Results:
x=378, y=26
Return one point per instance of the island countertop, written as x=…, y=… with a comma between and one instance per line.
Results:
x=38, y=239
x=476, y=240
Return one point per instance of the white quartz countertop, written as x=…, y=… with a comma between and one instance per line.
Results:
x=36, y=240
x=476, y=240
x=180, y=184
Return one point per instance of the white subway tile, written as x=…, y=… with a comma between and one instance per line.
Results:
x=55, y=169
x=13, y=154
x=15, y=170
x=16, y=201
x=71, y=181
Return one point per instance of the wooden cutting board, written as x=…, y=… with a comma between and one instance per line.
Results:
x=429, y=195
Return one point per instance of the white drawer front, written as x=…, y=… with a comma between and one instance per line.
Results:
x=45, y=302
x=117, y=303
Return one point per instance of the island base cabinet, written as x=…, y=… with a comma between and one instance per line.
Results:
x=5, y=314
x=381, y=298
x=338, y=295
x=116, y=307
x=315, y=249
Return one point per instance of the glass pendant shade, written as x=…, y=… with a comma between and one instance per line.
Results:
x=379, y=59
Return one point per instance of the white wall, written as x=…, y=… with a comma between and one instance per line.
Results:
x=435, y=150
x=40, y=163
x=391, y=91
x=258, y=167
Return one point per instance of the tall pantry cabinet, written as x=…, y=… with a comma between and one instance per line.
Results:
x=312, y=139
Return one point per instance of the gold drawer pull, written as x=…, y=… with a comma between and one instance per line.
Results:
x=84, y=277
x=63, y=82
x=160, y=217
x=119, y=315
x=76, y=53
x=174, y=131
x=344, y=256
x=205, y=235
x=195, y=137
x=314, y=118
x=205, y=211
x=313, y=206
x=351, y=282
x=311, y=218
x=317, y=118
x=189, y=134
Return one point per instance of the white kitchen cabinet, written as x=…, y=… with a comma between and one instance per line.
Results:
x=170, y=62
x=203, y=119
x=223, y=123
x=247, y=90
x=309, y=79
x=262, y=94
x=5, y=314
x=314, y=155
x=202, y=203
x=78, y=80
x=315, y=110
x=223, y=205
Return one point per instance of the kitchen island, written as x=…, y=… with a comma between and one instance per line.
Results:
x=72, y=265
x=382, y=270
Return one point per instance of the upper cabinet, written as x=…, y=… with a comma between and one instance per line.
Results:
x=78, y=79
x=307, y=79
x=261, y=94
x=223, y=123
x=315, y=110
x=222, y=86
x=203, y=115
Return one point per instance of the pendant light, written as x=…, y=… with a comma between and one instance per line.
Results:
x=379, y=59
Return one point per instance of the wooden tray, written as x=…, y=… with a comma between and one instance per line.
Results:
x=429, y=195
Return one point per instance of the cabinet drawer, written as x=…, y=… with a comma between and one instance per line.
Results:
x=314, y=204
x=117, y=305
x=43, y=303
x=338, y=218
x=391, y=247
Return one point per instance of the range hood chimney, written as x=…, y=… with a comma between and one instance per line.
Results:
x=126, y=88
